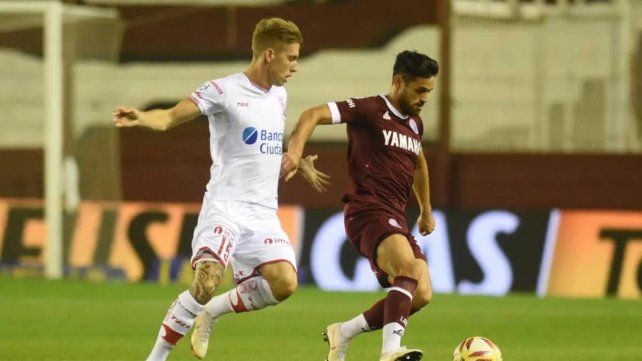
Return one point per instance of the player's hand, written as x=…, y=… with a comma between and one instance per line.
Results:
x=126, y=117
x=426, y=223
x=289, y=166
x=318, y=180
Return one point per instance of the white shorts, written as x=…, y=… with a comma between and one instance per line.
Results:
x=246, y=234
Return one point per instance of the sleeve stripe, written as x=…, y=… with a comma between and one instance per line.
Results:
x=195, y=98
x=334, y=110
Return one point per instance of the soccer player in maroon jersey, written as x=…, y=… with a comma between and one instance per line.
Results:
x=386, y=162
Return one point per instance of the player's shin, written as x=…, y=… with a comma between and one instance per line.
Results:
x=374, y=315
x=178, y=321
x=251, y=294
x=370, y=320
x=396, y=311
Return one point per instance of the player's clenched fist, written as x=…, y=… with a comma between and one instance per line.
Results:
x=426, y=223
x=126, y=117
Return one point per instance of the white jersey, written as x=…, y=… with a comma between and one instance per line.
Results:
x=246, y=125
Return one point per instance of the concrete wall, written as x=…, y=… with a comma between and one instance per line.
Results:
x=552, y=85
x=326, y=76
x=542, y=86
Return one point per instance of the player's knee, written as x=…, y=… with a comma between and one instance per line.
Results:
x=282, y=279
x=284, y=286
x=421, y=298
x=207, y=277
x=423, y=293
x=203, y=291
x=282, y=283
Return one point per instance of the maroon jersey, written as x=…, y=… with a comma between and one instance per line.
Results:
x=383, y=146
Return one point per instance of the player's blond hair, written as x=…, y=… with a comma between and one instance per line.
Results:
x=274, y=33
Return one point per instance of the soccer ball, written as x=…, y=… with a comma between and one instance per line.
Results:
x=477, y=348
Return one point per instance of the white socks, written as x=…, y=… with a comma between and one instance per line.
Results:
x=354, y=327
x=181, y=314
x=161, y=349
x=178, y=321
x=392, y=334
x=251, y=294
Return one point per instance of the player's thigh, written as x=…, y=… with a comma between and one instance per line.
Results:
x=395, y=257
x=216, y=235
x=269, y=255
x=277, y=271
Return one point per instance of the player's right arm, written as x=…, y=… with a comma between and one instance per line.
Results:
x=156, y=119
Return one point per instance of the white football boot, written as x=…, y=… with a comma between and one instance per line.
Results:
x=402, y=354
x=337, y=342
x=201, y=336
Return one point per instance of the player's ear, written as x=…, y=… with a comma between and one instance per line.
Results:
x=268, y=54
x=397, y=81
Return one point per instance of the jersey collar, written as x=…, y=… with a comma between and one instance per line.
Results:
x=392, y=109
x=255, y=86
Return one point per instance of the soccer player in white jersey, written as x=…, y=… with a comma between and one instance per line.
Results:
x=238, y=222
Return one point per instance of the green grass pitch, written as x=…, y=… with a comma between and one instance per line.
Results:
x=65, y=320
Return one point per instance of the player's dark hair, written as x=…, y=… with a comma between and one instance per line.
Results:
x=410, y=64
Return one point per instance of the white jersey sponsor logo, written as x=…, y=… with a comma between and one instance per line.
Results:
x=269, y=142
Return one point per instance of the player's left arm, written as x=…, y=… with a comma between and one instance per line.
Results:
x=304, y=127
x=421, y=186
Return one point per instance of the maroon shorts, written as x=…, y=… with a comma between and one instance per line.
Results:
x=367, y=229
